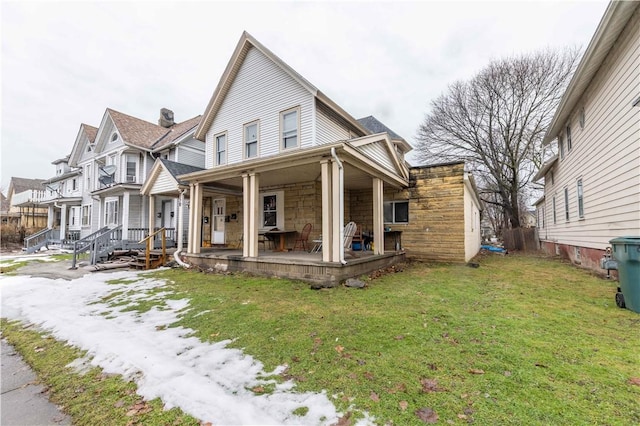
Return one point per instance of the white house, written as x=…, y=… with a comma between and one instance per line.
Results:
x=592, y=185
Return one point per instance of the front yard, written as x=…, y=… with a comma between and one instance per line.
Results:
x=519, y=340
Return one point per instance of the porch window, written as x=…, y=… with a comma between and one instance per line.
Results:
x=221, y=149
x=272, y=210
x=86, y=215
x=289, y=128
x=396, y=212
x=251, y=140
x=111, y=212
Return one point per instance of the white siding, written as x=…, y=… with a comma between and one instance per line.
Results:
x=605, y=155
x=164, y=183
x=260, y=91
x=136, y=217
x=329, y=130
x=190, y=156
x=378, y=152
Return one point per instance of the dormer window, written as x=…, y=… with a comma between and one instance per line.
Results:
x=114, y=137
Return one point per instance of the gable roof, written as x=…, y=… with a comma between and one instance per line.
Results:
x=376, y=126
x=174, y=170
x=245, y=43
x=177, y=169
x=135, y=131
x=176, y=132
x=24, y=184
x=612, y=24
x=76, y=152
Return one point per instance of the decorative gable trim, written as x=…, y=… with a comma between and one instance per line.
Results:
x=384, y=140
x=86, y=135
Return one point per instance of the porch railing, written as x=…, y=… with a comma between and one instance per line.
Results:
x=138, y=234
x=35, y=242
x=86, y=244
x=148, y=241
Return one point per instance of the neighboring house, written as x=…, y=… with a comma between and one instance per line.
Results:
x=280, y=154
x=114, y=161
x=7, y=218
x=592, y=185
x=24, y=197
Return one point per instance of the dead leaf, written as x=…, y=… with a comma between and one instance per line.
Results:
x=427, y=415
x=368, y=375
x=344, y=420
x=507, y=373
x=541, y=365
x=400, y=387
x=352, y=376
x=476, y=371
x=258, y=389
x=38, y=350
x=399, y=337
x=429, y=385
x=339, y=349
x=634, y=381
x=374, y=397
x=432, y=367
x=403, y=405
x=462, y=416
x=206, y=424
x=119, y=404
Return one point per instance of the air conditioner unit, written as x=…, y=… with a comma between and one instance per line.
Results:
x=131, y=179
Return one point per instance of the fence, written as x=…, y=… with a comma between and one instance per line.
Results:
x=521, y=239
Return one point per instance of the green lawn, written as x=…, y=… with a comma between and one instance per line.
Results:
x=519, y=340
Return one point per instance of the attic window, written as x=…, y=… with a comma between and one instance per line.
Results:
x=89, y=148
x=114, y=137
x=581, y=118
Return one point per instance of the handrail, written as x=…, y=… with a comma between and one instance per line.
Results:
x=29, y=244
x=87, y=242
x=147, y=253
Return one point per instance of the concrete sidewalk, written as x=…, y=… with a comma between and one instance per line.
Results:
x=23, y=401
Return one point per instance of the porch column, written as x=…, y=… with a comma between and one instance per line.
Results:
x=152, y=213
x=250, y=199
x=337, y=204
x=196, y=206
x=192, y=221
x=125, y=215
x=327, y=211
x=63, y=222
x=50, y=216
x=378, y=216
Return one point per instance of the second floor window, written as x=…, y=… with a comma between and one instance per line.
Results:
x=132, y=167
x=221, y=149
x=561, y=146
x=568, y=138
x=289, y=129
x=580, y=200
x=87, y=171
x=566, y=204
x=251, y=140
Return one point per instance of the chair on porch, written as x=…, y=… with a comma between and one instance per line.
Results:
x=349, y=232
x=358, y=238
x=303, y=240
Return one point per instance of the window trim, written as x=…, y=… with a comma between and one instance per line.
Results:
x=107, y=201
x=244, y=139
x=216, y=152
x=279, y=210
x=580, y=195
x=114, y=137
x=568, y=133
x=86, y=208
x=131, y=158
x=566, y=204
x=295, y=109
x=561, y=146
x=393, y=212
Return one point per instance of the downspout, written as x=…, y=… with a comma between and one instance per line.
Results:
x=340, y=203
x=176, y=254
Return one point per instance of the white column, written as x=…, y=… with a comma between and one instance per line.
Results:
x=246, y=206
x=152, y=213
x=50, y=216
x=63, y=222
x=378, y=216
x=192, y=223
x=196, y=205
x=327, y=211
x=125, y=215
x=337, y=228
x=254, y=184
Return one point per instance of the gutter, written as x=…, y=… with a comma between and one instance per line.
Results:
x=340, y=202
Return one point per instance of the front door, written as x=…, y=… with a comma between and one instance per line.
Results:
x=218, y=221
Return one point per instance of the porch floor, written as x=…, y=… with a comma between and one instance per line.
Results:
x=299, y=265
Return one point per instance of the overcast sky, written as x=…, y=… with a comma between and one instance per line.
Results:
x=64, y=63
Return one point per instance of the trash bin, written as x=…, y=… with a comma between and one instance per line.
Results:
x=626, y=250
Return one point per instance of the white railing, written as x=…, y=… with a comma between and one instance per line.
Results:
x=28, y=197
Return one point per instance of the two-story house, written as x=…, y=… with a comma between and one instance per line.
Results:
x=281, y=154
x=592, y=184
x=24, y=196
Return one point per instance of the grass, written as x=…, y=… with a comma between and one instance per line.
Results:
x=91, y=397
x=519, y=340
x=10, y=267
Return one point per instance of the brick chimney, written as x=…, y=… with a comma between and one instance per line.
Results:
x=166, y=118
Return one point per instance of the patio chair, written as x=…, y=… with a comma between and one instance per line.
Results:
x=303, y=240
x=349, y=231
x=358, y=238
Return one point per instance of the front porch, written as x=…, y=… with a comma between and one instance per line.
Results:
x=295, y=265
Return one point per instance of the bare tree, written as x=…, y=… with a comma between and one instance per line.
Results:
x=496, y=122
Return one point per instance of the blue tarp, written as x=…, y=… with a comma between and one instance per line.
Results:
x=495, y=249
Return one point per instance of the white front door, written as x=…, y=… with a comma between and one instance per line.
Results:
x=218, y=221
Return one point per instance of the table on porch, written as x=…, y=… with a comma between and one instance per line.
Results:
x=282, y=235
